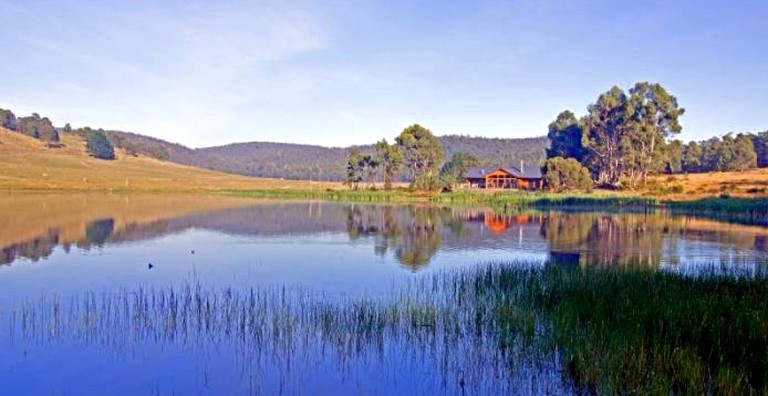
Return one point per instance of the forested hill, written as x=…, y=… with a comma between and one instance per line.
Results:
x=277, y=160
x=298, y=161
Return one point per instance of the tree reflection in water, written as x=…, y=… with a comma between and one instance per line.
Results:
x=413, y=234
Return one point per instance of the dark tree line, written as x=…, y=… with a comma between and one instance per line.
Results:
x=719, y=154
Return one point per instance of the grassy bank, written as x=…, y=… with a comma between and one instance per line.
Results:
x=742, y=210
x=748, y=210
x=511, y=200
x=606, y=331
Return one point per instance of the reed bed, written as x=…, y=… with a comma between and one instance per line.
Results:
x=743, y=210
x=496, y=329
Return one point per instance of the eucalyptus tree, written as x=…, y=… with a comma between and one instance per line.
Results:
x=692, y=154
x=744, y=154
x=625, y=135
x=422, y=154
x=390, y=161
x=605, y=136
x=354, y=168
x=652, y=118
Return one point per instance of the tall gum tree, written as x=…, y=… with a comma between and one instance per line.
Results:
x=604, y=136
x=389, y=160
x=422, y=154
x=652, y=117
x=625, y=136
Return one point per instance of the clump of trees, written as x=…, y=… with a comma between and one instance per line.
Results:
x=360, y=168
x=416, y=150
x=34, y=126
x=97, y=144
x=627, y=136
x=566, y=174
x=623, y=137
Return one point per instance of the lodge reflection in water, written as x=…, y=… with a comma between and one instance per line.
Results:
x=413, y=235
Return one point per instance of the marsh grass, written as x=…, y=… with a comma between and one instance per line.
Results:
x=752, y=211
x=504, y=200
x=494, y=329
x=743, y=210
x=653, y=332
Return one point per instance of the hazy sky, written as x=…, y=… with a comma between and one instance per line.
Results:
x=352, y=72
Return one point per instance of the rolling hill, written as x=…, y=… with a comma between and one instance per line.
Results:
x=27, y=164
x=310, y=162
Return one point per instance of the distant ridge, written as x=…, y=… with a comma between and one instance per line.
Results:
x=313, y=162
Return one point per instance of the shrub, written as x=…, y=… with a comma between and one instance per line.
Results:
x=562, y=174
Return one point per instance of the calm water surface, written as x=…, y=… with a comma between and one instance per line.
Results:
x=59, y=251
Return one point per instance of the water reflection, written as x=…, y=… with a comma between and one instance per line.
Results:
x=413, y=235
x=115, y=315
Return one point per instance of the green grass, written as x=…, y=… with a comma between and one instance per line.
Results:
x=742, y=210
x=516, y=200
x=747, y=210
x=612, y=331
x=505, y=200
x=651, y=332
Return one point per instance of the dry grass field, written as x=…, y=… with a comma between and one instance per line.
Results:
x=26, y=164
x=748, y=184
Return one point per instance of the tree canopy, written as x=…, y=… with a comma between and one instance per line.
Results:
x=390, y=161
x=623, y=137
x=422, y=154
x=565, y=137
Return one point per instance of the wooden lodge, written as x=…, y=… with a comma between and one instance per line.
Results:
x=504, y=178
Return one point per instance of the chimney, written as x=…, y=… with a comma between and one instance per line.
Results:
x=521, y=167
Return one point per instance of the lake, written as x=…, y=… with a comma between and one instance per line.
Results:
x=216, y=295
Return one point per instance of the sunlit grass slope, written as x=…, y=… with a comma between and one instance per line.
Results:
x=26, y=164
x=750, y=183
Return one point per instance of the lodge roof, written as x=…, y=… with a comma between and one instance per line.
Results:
x=533, y=172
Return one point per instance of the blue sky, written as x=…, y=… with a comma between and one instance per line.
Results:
x=352, y=72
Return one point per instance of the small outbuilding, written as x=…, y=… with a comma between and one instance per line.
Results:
x=508, y=177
